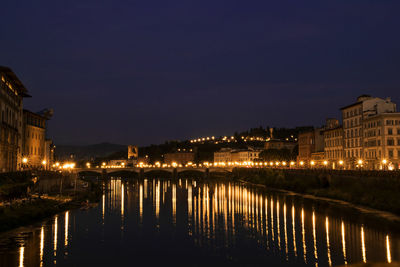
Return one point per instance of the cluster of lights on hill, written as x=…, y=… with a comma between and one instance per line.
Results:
x=227, y=139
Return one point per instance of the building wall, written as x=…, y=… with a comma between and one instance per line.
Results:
x=353, y=125
x=10, y=123
x=306, y=145
x=133, y=152
x=333, y=144
x=245, y=156
x=222, y=156
x=34, y=139
x=382, y=140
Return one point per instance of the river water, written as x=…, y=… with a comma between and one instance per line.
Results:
x=188, y=222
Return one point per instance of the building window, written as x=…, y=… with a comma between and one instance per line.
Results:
x=390, y=142
x=390, y=131
x=390, y=153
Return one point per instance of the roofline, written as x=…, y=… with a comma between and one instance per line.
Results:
x=381, y=115
x=34, y=113
x=331, y=129
x=10, y=73
x=355, y=104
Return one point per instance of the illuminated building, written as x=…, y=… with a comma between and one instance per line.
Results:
x=311, y=145
x=12, y=92
x=223, y=155
x=382, y=141
x=333, y=138
x=34, y=139
x=353, y=125
x=246, y=155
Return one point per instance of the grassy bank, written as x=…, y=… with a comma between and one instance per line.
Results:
x=378, y=192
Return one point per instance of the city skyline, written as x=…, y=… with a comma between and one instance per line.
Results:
x=158, y=71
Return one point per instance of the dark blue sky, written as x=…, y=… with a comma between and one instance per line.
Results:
x=143, y=72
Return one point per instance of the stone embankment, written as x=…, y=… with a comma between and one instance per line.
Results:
x=374, y=189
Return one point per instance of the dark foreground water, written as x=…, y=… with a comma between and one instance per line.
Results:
x=191, y=223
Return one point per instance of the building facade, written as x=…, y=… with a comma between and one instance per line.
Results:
x=12, y=92
x=306, y=145
x=333, y=148
x=310, y=143
x=248, y=155
x=34, y=140
x=353, y=125
x=224, y=155
x=382, y=141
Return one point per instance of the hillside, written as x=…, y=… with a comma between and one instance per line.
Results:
x=64, y=152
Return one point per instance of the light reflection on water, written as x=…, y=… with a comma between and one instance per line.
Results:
x=218, y=222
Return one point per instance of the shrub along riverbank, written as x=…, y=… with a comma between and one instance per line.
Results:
x=378, y=190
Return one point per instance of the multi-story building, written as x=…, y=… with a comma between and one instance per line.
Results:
x=247, y=155
x=223, y=155
x=353, y=116
x=306, y=145
x=333, y=138
x=12, y=92
x=34, y=140
x=179, y=157
x=382, y=141
x=311, y=145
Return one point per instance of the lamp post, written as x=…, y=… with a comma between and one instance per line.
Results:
x=44, y=163
x=326, y=164
x=24, y=162
x=360, y=164
x=341, y=164
x=384, y=162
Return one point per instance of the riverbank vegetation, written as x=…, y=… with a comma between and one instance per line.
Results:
x=28, y=197
x=378, y=190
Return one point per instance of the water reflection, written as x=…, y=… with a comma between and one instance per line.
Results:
x=220, y=217
x=21, y=256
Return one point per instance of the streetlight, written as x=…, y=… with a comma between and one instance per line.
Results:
x=384, y=161
x=312, y=163
x=25, y=160
x=360, y=162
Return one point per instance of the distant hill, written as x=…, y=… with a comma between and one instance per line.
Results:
x=64, y=152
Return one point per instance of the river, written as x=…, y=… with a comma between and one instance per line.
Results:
x=189, y=222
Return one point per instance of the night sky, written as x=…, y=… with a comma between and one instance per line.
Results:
x=141, y=72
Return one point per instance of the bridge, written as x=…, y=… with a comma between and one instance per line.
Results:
x=142, y=171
